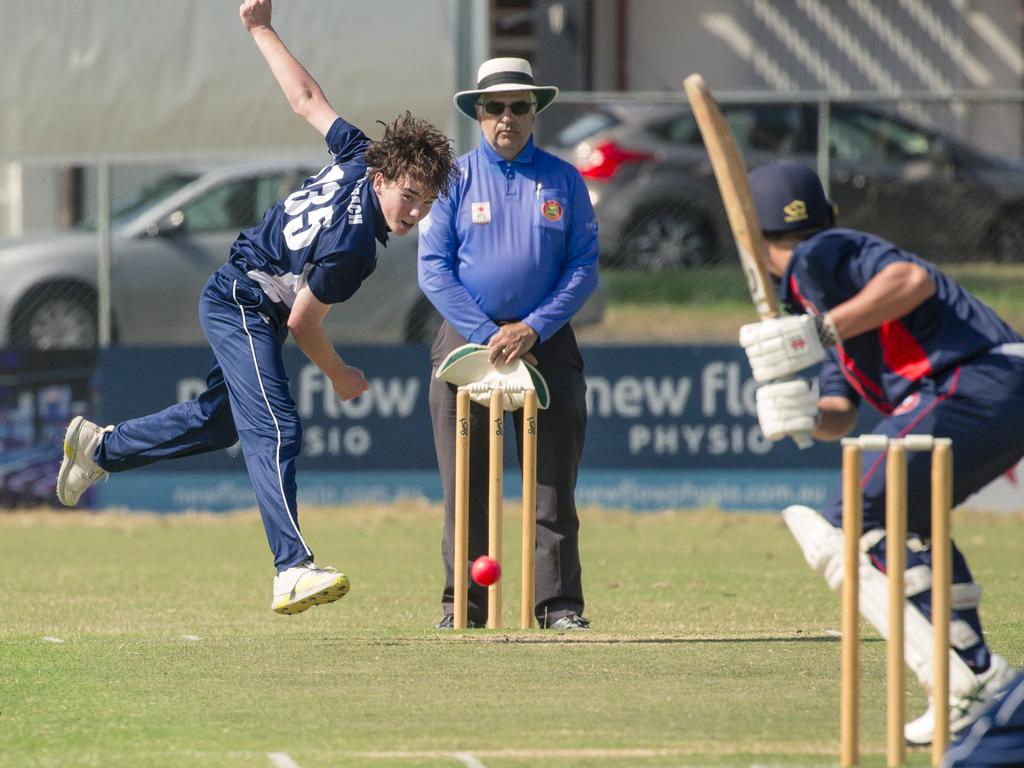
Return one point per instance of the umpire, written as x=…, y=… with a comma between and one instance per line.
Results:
x=507, y=258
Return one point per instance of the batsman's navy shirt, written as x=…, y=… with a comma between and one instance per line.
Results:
x=324, y=234
x=884, y=365
x=512, y=241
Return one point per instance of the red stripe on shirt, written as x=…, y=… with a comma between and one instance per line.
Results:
x=864, y=386
x=909, y=428
x=860, y=381
x=902, y=353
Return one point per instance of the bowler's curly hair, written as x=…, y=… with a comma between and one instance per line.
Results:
x=413, y=148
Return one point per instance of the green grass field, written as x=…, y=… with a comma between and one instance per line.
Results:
x=132, y=640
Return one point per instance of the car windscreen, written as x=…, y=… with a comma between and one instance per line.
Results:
x=585, y=126
x=138, y=200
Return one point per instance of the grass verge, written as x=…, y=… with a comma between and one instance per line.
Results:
x=708, y=305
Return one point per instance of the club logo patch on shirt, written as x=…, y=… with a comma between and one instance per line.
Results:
x=552, y=210
x=910, y=402
x=481, y=213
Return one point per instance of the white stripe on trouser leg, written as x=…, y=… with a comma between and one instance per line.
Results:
x=270, y=410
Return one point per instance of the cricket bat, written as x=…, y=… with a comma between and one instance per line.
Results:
x=734, y=186
x=731, y=175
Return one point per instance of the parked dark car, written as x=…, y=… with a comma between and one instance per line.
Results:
x=658, y=206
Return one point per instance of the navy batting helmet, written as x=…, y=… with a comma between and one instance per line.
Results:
x=788, y=197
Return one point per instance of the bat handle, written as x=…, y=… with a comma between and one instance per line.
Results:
x=803, y=440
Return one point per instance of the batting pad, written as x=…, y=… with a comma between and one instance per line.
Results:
x=822, y=545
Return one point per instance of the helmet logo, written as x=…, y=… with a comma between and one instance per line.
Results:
x=795, y=211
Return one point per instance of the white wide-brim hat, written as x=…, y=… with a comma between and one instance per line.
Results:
x=503, y=75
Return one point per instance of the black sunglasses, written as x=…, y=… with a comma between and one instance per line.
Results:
x=518, y=108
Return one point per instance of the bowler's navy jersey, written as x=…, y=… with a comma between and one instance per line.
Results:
x=324, y=234
x=885, y=365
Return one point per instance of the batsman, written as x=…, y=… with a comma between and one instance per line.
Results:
x=892, y=331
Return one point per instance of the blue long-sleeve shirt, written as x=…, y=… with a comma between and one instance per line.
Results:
x=512, y=241
x=886, y=364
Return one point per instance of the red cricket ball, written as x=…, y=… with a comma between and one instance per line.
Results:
x=485, y=571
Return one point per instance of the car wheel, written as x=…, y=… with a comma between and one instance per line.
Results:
x=58, y=316
x=665, y=240
x=1004, y=240
x=422, y=323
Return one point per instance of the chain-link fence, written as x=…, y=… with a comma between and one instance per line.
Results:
x=171, y=227
x=904, y=168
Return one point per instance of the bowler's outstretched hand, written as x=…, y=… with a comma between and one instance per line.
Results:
x=254, y=13
x=350, y=383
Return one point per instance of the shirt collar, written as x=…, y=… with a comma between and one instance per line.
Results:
x=788, y=289
x=380, y=226
x=525, y=155
x=785, y=283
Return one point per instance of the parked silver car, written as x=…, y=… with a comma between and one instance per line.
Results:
x=168, y=236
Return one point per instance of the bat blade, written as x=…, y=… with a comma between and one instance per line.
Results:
x=734, y=187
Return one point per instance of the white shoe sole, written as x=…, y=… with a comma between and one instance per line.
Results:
x=70, y=452
x=995, y=686
x=306, y=600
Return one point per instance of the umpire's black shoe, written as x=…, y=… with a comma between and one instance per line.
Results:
x=448, y=622
x=570, y=621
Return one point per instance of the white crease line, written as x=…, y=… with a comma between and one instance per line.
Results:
x=282, y=760
x=583, y=753
x=54, y=639
x=468, y=760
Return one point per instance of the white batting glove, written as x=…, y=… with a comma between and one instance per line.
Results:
x=787, y=409
x=780, y=346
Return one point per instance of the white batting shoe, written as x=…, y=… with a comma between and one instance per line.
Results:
x=963, y=710
x=78, y=471
x=303, y=586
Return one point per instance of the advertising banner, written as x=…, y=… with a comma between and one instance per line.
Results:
x=671, y=428
x=40, y=392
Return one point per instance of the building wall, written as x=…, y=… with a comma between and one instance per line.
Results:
x=642, y=45
x=120, y=81
x=859, y=45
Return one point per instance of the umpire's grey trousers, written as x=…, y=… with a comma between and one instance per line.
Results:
x=561, y=430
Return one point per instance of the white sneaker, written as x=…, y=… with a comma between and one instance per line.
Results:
x=78, y=471
x=303, y=586
x=963, y=710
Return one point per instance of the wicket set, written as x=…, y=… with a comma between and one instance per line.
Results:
x=460, y=560
x=896, y=541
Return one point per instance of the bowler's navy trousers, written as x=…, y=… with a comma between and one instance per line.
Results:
x=246, y=400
